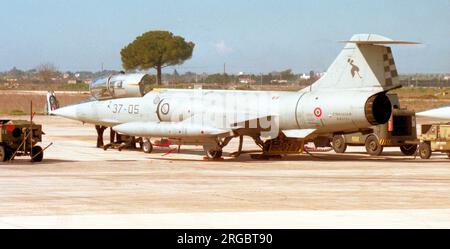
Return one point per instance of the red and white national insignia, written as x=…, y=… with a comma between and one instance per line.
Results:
x=318, y=112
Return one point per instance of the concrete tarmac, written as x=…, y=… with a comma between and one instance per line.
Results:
x=78, y=185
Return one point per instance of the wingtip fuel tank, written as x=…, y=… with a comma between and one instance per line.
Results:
x=437, y=113
x=167, y=129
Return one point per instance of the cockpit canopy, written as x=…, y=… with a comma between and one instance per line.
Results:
x=121, y=86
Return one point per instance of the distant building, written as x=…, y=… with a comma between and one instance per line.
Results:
x=246, y=80
x=11, y=85
x=73, y=81
x=11, y=79
x=278, y=81
x=304, y=76
x=320, y=75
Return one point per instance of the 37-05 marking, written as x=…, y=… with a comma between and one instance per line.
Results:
x=120, y=108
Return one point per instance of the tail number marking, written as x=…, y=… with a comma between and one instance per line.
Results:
x=131, y=109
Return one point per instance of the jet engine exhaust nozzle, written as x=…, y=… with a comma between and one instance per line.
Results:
x=378, y=109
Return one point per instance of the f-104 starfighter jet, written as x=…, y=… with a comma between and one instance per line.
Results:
x=350, y=97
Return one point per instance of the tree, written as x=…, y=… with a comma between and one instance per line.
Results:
x=46, y=71
x=287, y=75
x=16, y=73
x=156, y=49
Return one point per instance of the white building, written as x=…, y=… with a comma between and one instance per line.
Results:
x=305, y=76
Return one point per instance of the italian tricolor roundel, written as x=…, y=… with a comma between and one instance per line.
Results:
x=318, y=112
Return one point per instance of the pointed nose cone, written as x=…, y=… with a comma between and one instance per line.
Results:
x=67, y=112
x=438, y=113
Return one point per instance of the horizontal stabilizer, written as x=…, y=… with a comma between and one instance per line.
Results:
x=381, y=42
x=298, y=133
x=373, y=39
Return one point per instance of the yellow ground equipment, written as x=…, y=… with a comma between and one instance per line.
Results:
x=435, y=137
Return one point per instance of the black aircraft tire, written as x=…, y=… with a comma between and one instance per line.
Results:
x=147, y=146
x=373, y=147
x=338, y=144
x=38, y=154
x=425, y=150
x=3, y=156
x=9, y=153
x=408, y=149
x=214, y=154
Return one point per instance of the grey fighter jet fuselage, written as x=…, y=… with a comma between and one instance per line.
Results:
x=351, y=96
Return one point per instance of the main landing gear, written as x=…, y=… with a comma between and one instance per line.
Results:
x=271, y=148
x=214, y=151
x=214, y=154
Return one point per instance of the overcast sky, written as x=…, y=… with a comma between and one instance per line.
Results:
x=249, y=36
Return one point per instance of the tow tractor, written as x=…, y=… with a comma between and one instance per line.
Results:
x=434, y=138
x=20, y=138
x=399, y=131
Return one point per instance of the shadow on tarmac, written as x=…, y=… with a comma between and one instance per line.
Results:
x=393, y=157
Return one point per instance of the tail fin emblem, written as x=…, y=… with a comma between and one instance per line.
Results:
x=355, y=68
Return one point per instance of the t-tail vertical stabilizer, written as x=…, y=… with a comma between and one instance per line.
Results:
x=365, y=63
